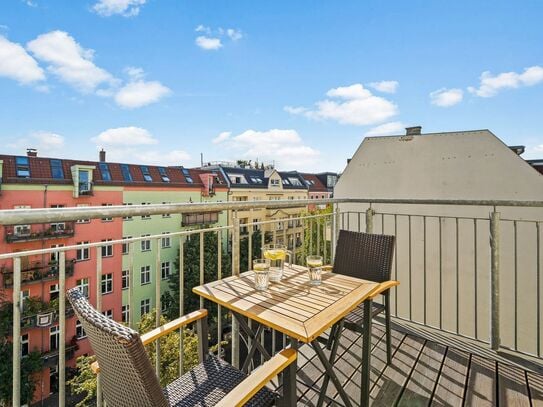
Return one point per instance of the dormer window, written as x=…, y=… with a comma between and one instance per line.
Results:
x=23, y=167
x=56, y=169
x=146, y=174
x=125, y=170
x=285, y=181
x=295, y=181
x=163, y=174
x=274, y=182
x=104, y=171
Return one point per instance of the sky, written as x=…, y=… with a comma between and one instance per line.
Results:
x=297, y=83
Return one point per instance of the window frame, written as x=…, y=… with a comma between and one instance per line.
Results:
x=145, y=275
x=106, y=283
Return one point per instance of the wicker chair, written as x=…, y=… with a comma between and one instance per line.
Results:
x=128, y=379
x=366, y=256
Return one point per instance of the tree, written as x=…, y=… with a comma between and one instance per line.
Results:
x=244, y=250
x=317, y=230
x=84, y=381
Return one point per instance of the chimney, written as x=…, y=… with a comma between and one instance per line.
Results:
x=102, y=155
x=413, y=131
x=31, y=152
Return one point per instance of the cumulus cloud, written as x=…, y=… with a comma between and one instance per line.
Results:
x=212, y=39
x=234, y=34
x=490, y=84
x=225, y=135
x=446, y=97
x=125, y=136
x=70, y=62
x=283, y=146
x=208, y=43
x=46, y=142
x=16, y=64
x=386, y=129
x=140, y=93
x=352, y=104
x=125, y=8
x=385, y=86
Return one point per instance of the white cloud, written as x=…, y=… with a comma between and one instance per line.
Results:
x=533, y=152
x=69, y=61
x=234, y=34
x=125, y=136
x=356, y=105
x=283, y=146
x=125, y=8
x=47, y=143
x=385, y=86
x=386, y=129
x=208, y=43
x=203, y=29
x=174, y=157
x=490, y=84
x=30, y=3
x=16, y=64
x=225, y=135
x=446, y=97
x=134, y=73
x=140, y=93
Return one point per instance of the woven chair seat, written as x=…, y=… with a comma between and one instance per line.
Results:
x=355, y=319
x=207, y=383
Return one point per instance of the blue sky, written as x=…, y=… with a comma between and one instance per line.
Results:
x=297, y=82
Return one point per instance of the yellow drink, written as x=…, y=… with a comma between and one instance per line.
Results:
x=314, y=263
x=275, y=254
x=261, y=267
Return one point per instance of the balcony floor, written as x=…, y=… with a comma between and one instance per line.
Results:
x=424, y=371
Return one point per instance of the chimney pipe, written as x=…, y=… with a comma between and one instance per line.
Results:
x=413, y=131
x=102, y=156
x=31, y=152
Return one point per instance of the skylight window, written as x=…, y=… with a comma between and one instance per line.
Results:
x=23, y=167
x=163, y=174
x=125, y=170
x=146, y=175
x=56, y=169
x=285, y=181
x=104, y=170
x=295, y=181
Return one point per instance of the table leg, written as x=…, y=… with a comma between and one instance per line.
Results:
x=333, y=342
x=366, y=355
x=255, y=342
x=289, y=380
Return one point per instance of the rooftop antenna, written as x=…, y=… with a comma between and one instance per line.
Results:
x=201, y=159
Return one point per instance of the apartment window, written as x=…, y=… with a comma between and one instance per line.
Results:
x=79, y=331
x=125, y=313
x=23, y=167
x=84, y=182
x=199, y=218
x=125, y=279
x=285, y=181
x=145, y=244
x=166, y=215
x=84, y=220
x=108, y=313
x=255, y=227
x=146, y=174
x=274, y=182
x=165, y=270
x=53, y=379
x=186, y=173
x=163, y=174
x=56, y=169
x=295, y=182
x=104, y=171
x=125, y=171
x=84, y=253
x=24, y=345
x=108, y=219
x=145, y=306
x=54, y=337
x=145, y=275
x=107, y=250
x=53, y=292
x=146, y=216
x=107, y=283
x=127, y=217
x=83, y=285
x=126, y=246
x=165, y=242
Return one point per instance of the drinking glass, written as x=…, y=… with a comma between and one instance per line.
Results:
x=314, y=264
x=276, y=254
x=261, y=268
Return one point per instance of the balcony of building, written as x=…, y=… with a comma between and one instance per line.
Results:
x=467, y=326
x=28, y=233
x=37, y=272
x=51, y=358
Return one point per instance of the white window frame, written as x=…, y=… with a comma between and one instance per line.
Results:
x=79, y=331
x=83, y=285
x=125, y=313
x=145, y=306
x=83, y=253
x=145, y=275
x=107, y=249
x=166, y=241
x=107, y=282
x=125, y=279
x=165, y=269
x=145, y=245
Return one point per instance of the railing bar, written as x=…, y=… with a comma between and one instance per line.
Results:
x=424, y=265
x=16, y=355
x=440, y=274
x=131, y=306
x=396, y=263
x=457, y=254
x=219, y=308
x=318, y=237
x=285, y=241
x=158, y=306
x=538, y=279
x=98, y=279
x=181, y=302
x=310, y=237
x=202, y=265
x=383, y=223
x=250, y=249
x=359, y=214
x=348, y=220
x=436, y=216
x=515, y=251
x=62, y=328
x=410, y=268
x=476, y=266
x=324, y=242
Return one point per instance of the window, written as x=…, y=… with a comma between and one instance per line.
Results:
x=127, y=217
x=274, y=182
x=285, y=181
x=56, y=169
x=145, y=275
x=85, y=220
x=165, y=270
x=53, y=292
x=84, y=253
x=145, y=244
x=83, y=285
x=23, y=167
x=145, y=306
x=186, y=173
x=255, y=227
x=104, y=171
x=53, y=379
x=24, y=345
x=163, y=174
x=199, y=218
x=125, y=279
x=125, y=170
x=108, y=313
x=295, y=181
x=146, y=216
x=107, y=250
x=125, y=313
x=331, y=181
x=166, y=215
x=165, y=242
x=84, y=182
x=108, y=219
x=146, y=175
x=54, y=337
x=79, y=331
x=107, y=283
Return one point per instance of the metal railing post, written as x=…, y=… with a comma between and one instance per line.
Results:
x=62, y=328
x=495, y=280
x=16, y=398
x=369, y=219
x=235, y=272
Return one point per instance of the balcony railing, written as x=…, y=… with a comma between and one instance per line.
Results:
x=37, y=272
x=51, y=358
x=27, y=234
x=469, y=268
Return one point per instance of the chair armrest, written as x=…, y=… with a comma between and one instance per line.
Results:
x=243, y=392
x=156, y=333
x=384, y=286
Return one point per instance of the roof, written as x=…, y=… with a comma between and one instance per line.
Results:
x=537, y=164
x=256, y=178
x=314, y=183
x=41, y=171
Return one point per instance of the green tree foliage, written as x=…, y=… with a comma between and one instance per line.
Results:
x=316, y=235
x=84, y=382
x=244, y=250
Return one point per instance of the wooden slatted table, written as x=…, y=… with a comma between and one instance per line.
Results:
x=293, y=306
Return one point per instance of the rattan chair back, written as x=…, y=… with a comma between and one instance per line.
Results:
x=364, y=255
x=126, y=375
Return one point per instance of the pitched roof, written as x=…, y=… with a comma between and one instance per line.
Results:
x=314, y=182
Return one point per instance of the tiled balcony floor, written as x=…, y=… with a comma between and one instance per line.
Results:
x=423, y=372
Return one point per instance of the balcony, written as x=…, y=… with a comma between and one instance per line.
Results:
x=51, y=358
x=16, y=234
x=37, y=272
x=85, y=188
x=459, y=337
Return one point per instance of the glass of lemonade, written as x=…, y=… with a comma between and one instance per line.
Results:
x=261, y=268
x=314, y=264
x=276, y=254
